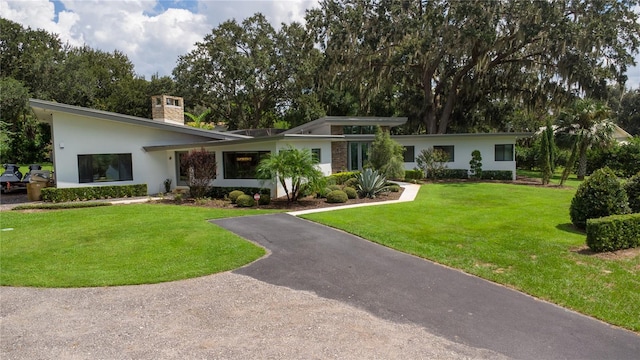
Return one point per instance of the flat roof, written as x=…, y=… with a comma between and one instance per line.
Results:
x=348, y=121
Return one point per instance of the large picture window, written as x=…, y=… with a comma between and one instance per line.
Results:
x=242, y=165
x=504, y=152
x=104, y=167
x=448, y=149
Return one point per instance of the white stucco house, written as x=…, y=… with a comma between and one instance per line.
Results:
x=93, y=147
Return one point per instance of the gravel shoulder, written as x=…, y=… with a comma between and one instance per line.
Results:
x=222, y=316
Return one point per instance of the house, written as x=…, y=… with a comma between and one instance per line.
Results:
x=93, y=147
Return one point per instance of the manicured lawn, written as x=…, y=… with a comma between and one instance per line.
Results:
x=515, y=235
x=118, y=245
x=572, y=181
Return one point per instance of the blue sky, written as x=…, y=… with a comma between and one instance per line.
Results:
x=154, y=33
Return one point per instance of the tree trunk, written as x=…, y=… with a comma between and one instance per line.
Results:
x=582, y=161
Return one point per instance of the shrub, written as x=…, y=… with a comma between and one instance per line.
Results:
x=265, y=199
x=394, y=188
x=93, y=193
x=370, y=183
x=245, y=201
x=342, y=177
x=614, y=232
x=351, y=192
x=200, y=165
x=432, y=162
x=221, y=192
x=497, y=175
x=451, y=174
x=475, y=165
x=334, y=187
x=632, y=187
x=352, y=182
x=337, y=196
x=600, y=195
x=413, y=174
x=233, y=196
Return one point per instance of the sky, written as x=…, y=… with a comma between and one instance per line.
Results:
x=154, y=33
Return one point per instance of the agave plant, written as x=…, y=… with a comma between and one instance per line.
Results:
x=370, y=183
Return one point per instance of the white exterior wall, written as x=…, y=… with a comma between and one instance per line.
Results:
x=74, y=135
x=463, y=146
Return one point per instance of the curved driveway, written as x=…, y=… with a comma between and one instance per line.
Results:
x=406, y=289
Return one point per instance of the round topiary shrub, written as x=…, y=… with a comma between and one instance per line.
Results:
x=334, y=187
x=394, y=188
x=245, y=201
x=600, y=195
x=633, y=192
x=351, y=192
x=337, y=196
x=352, y=182
x=265, y=199
x=233, y=196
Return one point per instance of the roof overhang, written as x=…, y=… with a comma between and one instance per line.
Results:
x=44, y=111
x=347, y=121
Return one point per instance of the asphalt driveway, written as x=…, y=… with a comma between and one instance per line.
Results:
x=406, y=289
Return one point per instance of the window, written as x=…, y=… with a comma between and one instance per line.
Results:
x=173, y=102
x=316, y=152
x=358, y=129
x=448, y=149
x=104, y=167
x=183, y=175
x=504, y=152
x=242, y=165
x=409, y=154
x=358, y=155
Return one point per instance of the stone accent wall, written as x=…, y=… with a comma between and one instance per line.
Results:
x=337, y=130
x=168, y=109
x=339, y=155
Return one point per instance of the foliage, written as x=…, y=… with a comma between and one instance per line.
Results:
x=200, y=165
x=432, y=161
x=265, y=199
x=340, y=178
x=585, y=124
x=526, y=244
x=452, y=174
x=370, y=183
x=222, y=192
x=92, y=193
x=119, y=245
x=600, y=195
x=475, y=165
x=632, y=187
x=351, y=192
x=615, y=232
x=60, y=206
x=297, y=165
x=623, y=159
x=393, y=188
x=233, y=196
x=415, y=174
x=441, y=61
x=628, y=116
x=334, y=187
x=245, y=201
x=337, y=196
x=385, y=155
x=167, y=185
x=198, y=121
x=497, y=175
x=547, y=159
x=351, y=182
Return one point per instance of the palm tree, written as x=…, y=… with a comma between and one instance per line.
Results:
x=299, y=166
x=196, y=120
x=586, y=124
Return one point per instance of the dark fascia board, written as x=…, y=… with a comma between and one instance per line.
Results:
x=42, y=107
x=223, y=143
x=348, y=120
x=513, y=134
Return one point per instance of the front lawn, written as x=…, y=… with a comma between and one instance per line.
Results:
x=515, y=235
x=118, y=245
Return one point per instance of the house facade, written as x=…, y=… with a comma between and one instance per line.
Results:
x=93, y=148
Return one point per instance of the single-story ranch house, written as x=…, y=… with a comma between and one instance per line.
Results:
x=93, y=147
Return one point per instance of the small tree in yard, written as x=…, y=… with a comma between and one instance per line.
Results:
x=298, y=166
x=431, y=162
x=200, y=165
x=386, y=155
x=547, y=158
x=475, y=165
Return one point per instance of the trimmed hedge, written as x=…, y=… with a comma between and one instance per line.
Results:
x=497, y=175
x=235, y=194
x=93, y=193
x=451, y=174
x=245, y=201
x=615, y=232
x=598, y=196
x=265, y=199
x=632, y=187
x=413, y=175
x=351, y=192
x=341, y=177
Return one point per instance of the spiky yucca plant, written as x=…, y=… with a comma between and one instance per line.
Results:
x=370, y=183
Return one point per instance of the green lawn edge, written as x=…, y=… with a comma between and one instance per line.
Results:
x=515, y=235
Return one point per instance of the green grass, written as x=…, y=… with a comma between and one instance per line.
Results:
x=515, y=235
x=572, y=181
x=118, y=245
